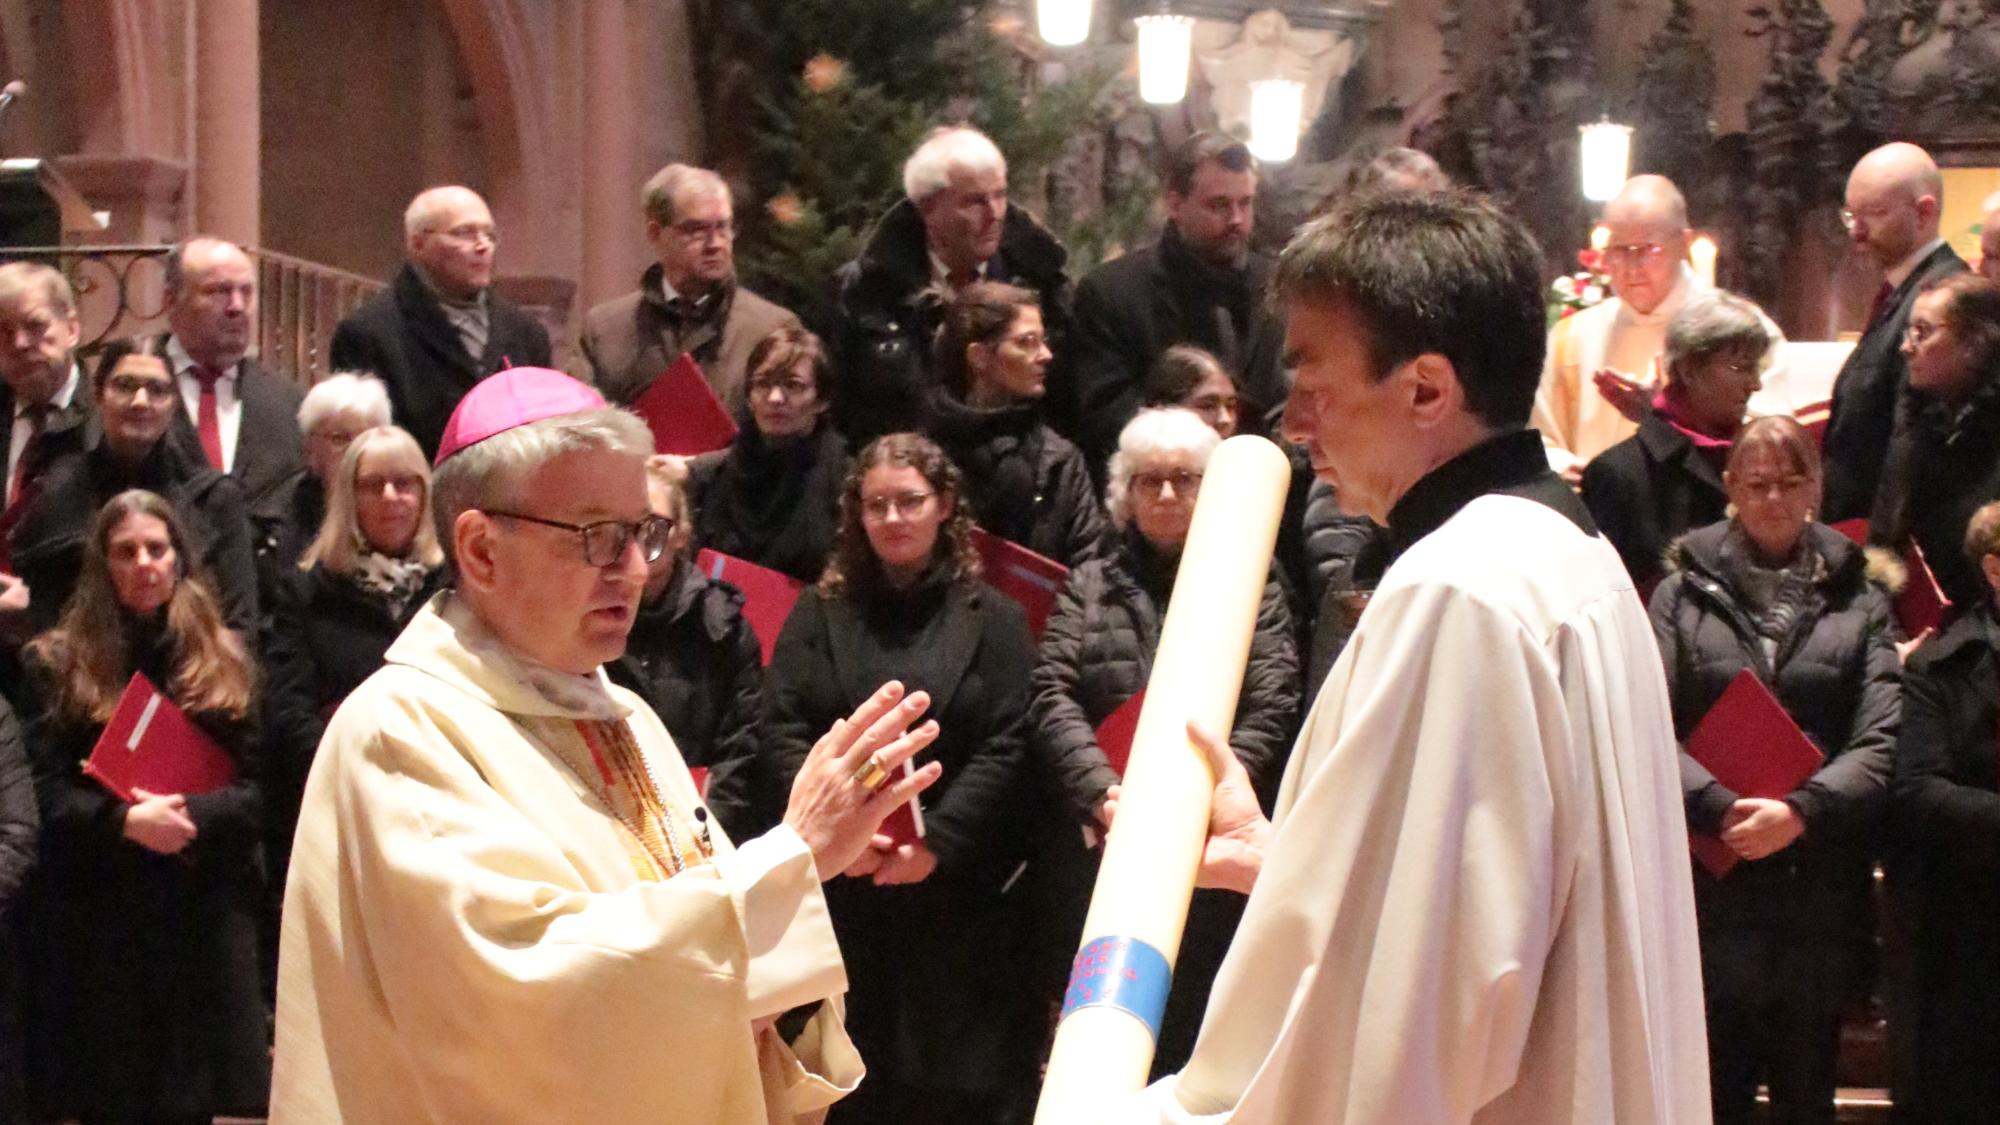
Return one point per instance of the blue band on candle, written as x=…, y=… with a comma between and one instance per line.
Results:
x=1123, y=973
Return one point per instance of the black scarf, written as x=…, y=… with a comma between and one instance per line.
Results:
x=999, y=450
x=765, y=502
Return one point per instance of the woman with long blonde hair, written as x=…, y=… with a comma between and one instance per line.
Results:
x=144, y=948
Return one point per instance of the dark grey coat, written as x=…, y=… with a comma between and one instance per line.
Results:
x=1837, y=676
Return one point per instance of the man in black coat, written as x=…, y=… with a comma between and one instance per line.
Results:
x=211, y=306
x=20, y=826
x=956, y=227
x=1894, y=196
x=440, y=328
x=45, y=398
x=1199, y=284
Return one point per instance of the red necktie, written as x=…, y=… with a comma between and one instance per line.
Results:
x=207, y=420
x=1881, y=304
x=38, y=419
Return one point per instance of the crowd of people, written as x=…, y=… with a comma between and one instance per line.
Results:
x=254, y=548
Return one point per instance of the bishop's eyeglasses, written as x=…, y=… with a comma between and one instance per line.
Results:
x=604, y=542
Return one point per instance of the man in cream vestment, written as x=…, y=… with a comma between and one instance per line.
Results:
x=505, y=902
x=1646, y=258
x=1473, y=903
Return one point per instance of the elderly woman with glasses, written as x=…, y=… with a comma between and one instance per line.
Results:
x=1096, y=654
x=507, y=901
x=336, y=409
x=1944, y=460
x=1798, y=605
x=1023, y=481
x=926, y=925
x=1647, y=490
x=696, y=662
x=770, y=497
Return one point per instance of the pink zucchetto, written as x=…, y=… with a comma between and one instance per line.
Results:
x=510, y=398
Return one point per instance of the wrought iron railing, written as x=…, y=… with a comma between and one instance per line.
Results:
x=121, y=291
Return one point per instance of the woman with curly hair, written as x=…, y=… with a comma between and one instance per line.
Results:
x=925, y=926
x=144, y=940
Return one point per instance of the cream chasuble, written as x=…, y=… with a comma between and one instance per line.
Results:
x=502, y=908
x=1477, y=904
x=1576, y=422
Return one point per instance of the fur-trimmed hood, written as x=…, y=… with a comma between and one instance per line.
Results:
x=1701, y=549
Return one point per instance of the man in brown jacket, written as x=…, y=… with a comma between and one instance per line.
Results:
x=688, y=302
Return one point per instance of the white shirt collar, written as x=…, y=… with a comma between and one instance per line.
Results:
x=63, y=395
x=1903, y=269
x=183, y=363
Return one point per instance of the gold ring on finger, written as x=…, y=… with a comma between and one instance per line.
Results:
x=870, y=773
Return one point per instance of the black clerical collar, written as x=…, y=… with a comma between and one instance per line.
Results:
x=1512, y=463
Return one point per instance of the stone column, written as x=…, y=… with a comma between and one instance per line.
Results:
x=610, y=134
x=227, y=170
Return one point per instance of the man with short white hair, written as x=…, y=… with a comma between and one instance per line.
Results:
x=1622, y=338
x=688, y=300
x=236, y=413
x=506, y=901
x=954, y=228
x=439, y=328
x=1894, y=198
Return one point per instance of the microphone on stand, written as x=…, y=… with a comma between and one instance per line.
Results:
x=10, y=93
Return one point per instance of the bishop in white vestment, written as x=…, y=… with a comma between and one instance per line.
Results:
x=1473, y=903
x=505, y=902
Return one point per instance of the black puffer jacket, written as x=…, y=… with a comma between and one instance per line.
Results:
x=1345, y=557
x=1836, y=674
x=1097, y=652
x=1026, y=482
x=888, y=313
x=697, y=664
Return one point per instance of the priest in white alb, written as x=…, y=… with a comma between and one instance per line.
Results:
x=506, y=902
x=1473, y=902
x=1621, y=340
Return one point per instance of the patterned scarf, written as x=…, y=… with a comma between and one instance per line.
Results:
x=396, y=581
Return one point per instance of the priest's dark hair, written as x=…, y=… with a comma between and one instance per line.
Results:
x=853, y=567
x=87, y=658
x=1445, y=273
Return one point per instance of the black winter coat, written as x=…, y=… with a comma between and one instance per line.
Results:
x=1836, y=674
x=1944, y=464
x=1345, y=556
x=20, y=825
x=1649, y=490
x=776, y=507
x=1133, y=308
x=1865, y=393
x=1946, y=814
x=280, y=533
x=930, y=1002
x=887, y=314
x=695, y=661
x=326, y=635
x=1097, y=652
x=49, y=541
x=1025, y=482
x=146, y=1000
x=403, y=337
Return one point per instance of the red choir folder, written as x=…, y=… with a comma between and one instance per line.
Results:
x=1114, y=734
x=682, y=411
x=151, y=744
x=1752, y=746
x=1814, y=418
x=1021, y=574
x=768, y=596
x=699, y=775
x=1921, y=604
x=906, y=824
